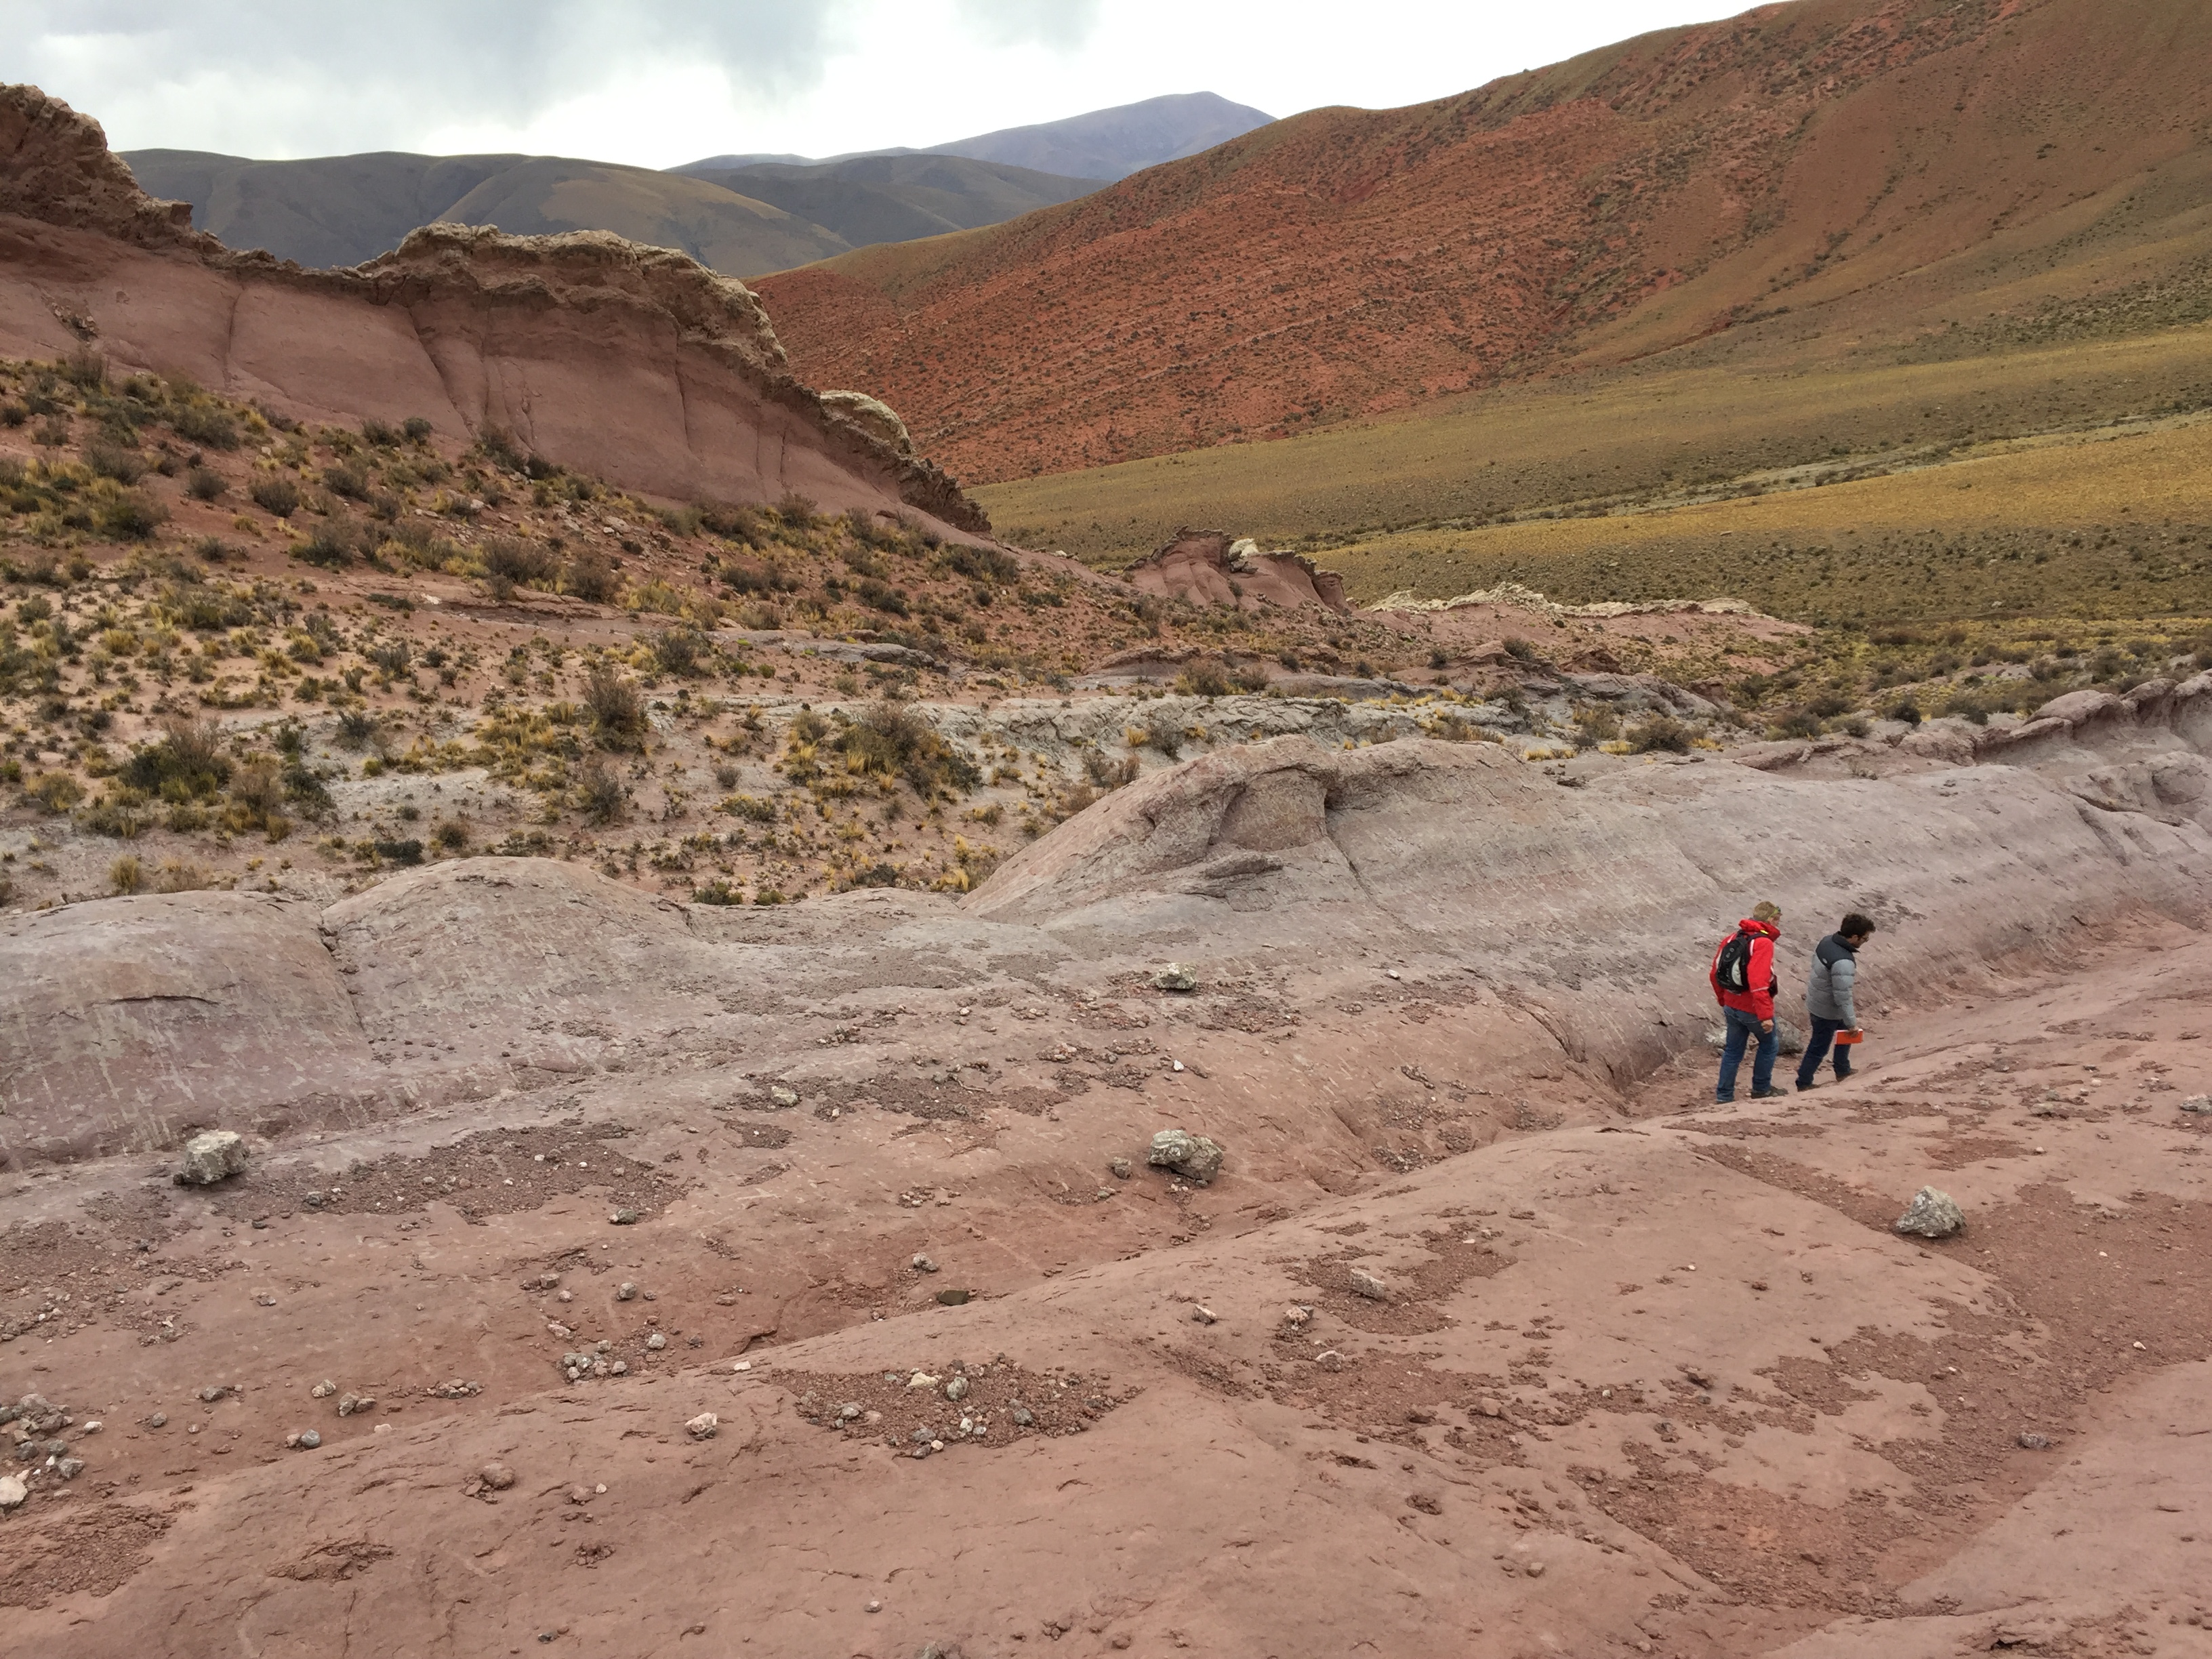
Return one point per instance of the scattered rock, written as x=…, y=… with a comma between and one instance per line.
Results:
x=349, y=1404
x=158, y=1421
x=1489, y=1407
x=625, y=1218
x=497, y=1476
x=1329, y=1360
x=922, y=1264
x=1194, y=1158
x=785, y=1098
x=704, y=1426
x=324, y=1390
x=921, y=1380
x=1024, y=1417
x=1175, y=978
x=2032, y=1442
x=1204, y=1314
x=2198, y=1103
x=306, y=1440
x=1932, y=1215
x=13, y=1492
x=69, y=1468
x=954, y=1299
x=212, y=1156
x=1122, y=1169
x=956, y=1388
x=1367, y=1284
x=625, y=1291
x=656, y=1342
x=1297, y=1318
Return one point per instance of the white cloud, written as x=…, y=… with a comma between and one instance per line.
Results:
x=658, y=84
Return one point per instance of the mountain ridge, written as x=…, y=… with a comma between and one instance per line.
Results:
x=1854, y=162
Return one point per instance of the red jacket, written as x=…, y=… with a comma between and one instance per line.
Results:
x=1759, y=1002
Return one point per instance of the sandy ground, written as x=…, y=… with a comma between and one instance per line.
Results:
x=1658, y=1380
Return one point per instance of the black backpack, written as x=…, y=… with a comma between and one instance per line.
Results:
x=1732, y=967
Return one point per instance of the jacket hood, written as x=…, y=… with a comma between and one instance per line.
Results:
x=1767, y=928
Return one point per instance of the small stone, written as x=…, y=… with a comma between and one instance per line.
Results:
x=954, y=1299
x=309, y=1439
x=656, y=1342
x=620, y=1368
x=497, y=1476
x=1204, y=1314
x=704, y=1426
x=13, y=1492
x=1194, y=1157
x=2033, y=1442
x=625, y=1291
x=212, y=1156
x=1489, y=1407
x=1295, y=1318
x=351, y=1403
x=1365, y=1284
x=2198, y=1103
x=1122, y=1169
x=875, y=1606
x=1329, y=1360
x=956, y=1388
x=313, y=1201
x=1175, y=978
x=1024, y=1417
x=623, y=1218
x=69, y=1468
x=921, y=1380
x=212, y=1393
x=1932, y=1215
x=1535, y=1568
x=922, y=1264
x=785, y=1098
x=158, y=1421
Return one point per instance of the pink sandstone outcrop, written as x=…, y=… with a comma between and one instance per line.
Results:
x=637, y=364
x=1206, y=567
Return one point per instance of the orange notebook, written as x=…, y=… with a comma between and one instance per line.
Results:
x=1850, y=1036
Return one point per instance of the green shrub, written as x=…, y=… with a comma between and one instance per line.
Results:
x=617, y=710
x=416, y=428
x=203, y=484
x=107, y=461
x=132, y=515
x=212, y=427
x=591, y=577
x=518, y=561
x=1659, y=732
x=600, y=791
x=277, y=494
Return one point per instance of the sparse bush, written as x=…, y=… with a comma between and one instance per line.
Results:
x=1108, y=773
x=750, y=807
x=132, y=515
x=617, y=710
x=526, y=562
x=1203, y=679
x=892, y=738
x=346, y=478
x=391, y=657
x=204, y=485
x=198, y=424
x=54, y=790
x=1520, y=650
x=277, y=494
x=451, y=834
x=1797, y=723
x=600, y=791
x=798, y=512
x=591, y=577
x=1659, y=732
x=416, y=428
x=333, y=545
x=357, y=728
x=107, y=461
x=717, y=891
x=187, y=763
x=84, y=368
x=1907, y=712
x=380, y=435
x=678, y=650
x=126, y=875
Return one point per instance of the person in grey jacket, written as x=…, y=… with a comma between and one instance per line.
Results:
x=1828, y=1001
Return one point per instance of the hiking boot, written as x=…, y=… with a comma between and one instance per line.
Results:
x=1803, y=1086
x=1766, y=1094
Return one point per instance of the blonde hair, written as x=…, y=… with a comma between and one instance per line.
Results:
x=1766, y=910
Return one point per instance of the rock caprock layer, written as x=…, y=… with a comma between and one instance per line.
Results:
x=635, y=364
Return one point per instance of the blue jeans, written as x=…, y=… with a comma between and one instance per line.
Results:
x=1816, y=1045
x=1742, y=1030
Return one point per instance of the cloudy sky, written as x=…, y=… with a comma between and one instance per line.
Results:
x=657, y=83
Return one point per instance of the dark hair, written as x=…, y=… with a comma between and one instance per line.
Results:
x=1855, y=925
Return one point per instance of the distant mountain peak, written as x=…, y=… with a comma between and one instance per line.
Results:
x=1102, y=143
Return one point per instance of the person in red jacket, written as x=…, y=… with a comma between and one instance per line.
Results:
x=1744, y=983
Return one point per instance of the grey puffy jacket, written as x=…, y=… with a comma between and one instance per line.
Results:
x=1835, y=969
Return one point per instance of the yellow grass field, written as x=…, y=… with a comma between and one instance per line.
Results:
x=2071, y=479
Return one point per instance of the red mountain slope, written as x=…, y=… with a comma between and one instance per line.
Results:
x=1348, y=261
